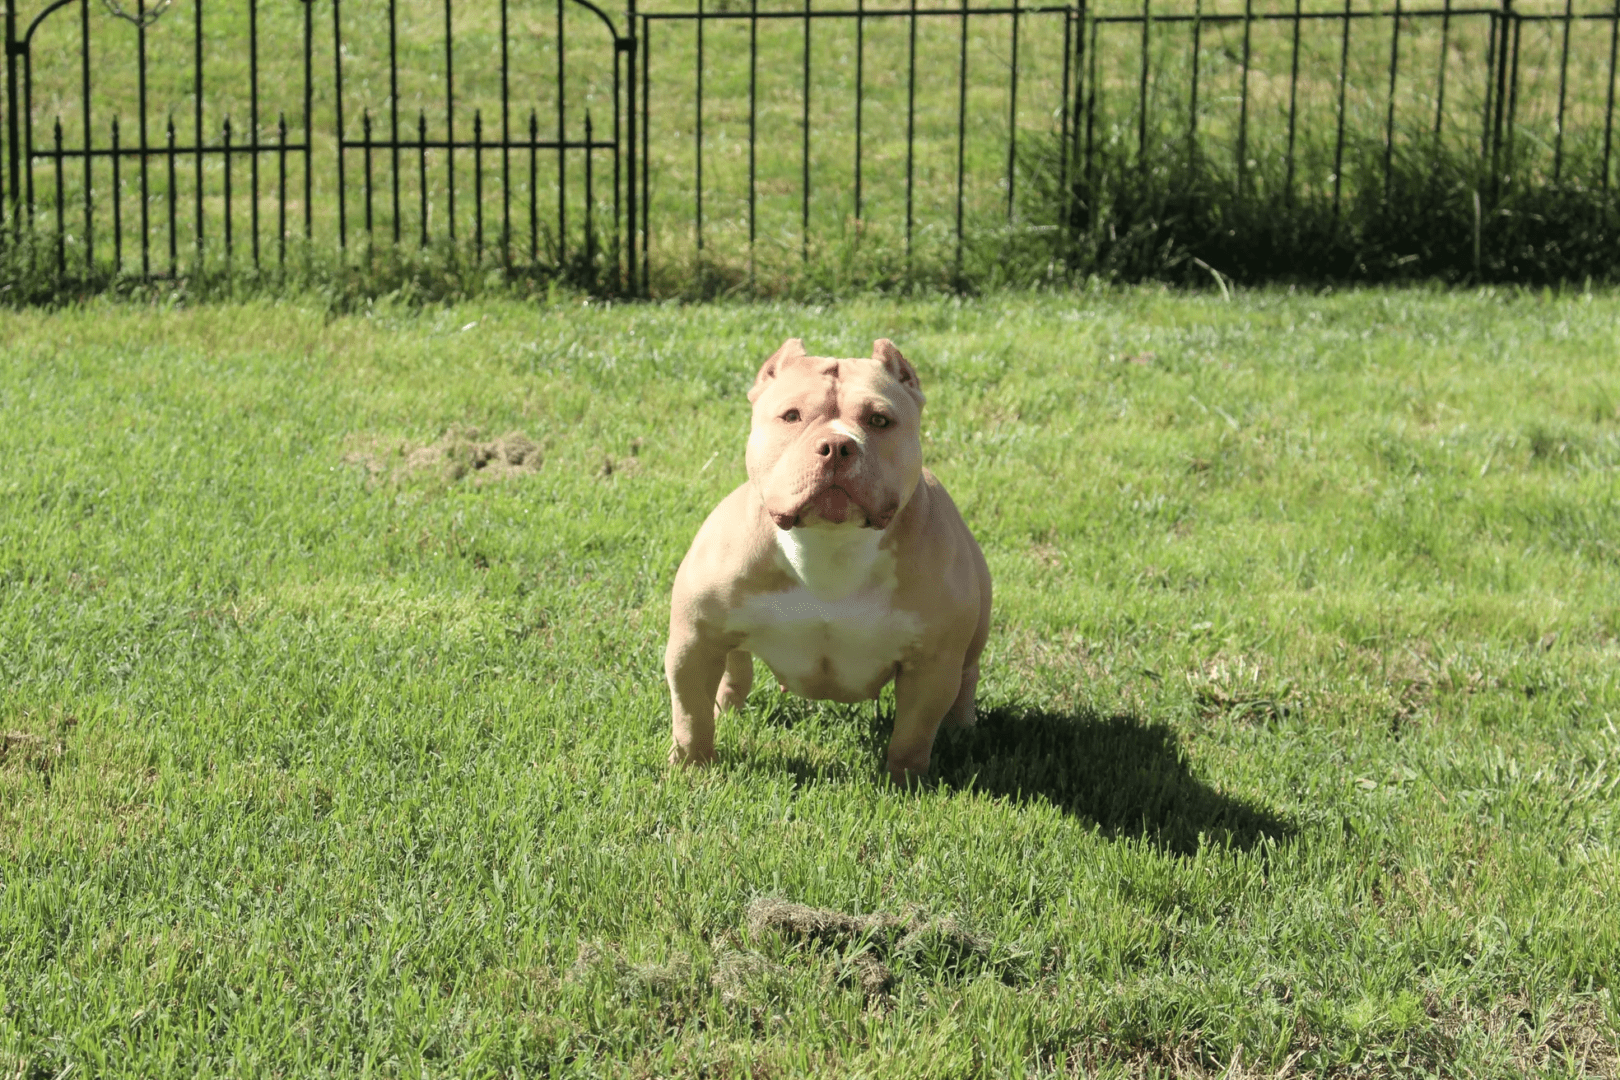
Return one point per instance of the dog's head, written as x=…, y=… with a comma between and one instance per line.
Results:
x=835, y=441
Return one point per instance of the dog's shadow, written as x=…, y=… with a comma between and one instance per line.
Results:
x=1127, y=775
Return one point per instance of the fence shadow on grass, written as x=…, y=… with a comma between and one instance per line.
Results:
x=1126, y=774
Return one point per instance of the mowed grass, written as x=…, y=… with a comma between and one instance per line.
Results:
x=1298, y=751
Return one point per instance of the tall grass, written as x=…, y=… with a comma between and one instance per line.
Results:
x=1437, y=214
x=1440, y=215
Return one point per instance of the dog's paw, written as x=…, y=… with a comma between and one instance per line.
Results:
x=681, y=755
x=910, y=777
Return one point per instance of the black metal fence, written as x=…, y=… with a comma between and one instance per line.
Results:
x=642, y=145
x=301, y=168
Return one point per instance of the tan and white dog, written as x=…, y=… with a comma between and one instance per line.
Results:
x=841, y=562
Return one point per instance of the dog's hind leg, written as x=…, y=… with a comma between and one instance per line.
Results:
x=739, y=679
x=961, y=713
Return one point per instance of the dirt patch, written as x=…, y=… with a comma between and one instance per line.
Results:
x=743, y=978
x=611, y=466
x=22, y=750
x=460, y=452
x=27, y=751
x=1048, y=555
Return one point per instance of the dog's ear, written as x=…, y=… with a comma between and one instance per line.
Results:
x=884, y=351
x=791, y=349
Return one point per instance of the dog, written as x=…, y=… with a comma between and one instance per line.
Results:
x=841, y=563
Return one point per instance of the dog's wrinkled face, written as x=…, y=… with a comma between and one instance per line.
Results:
x=835, y=441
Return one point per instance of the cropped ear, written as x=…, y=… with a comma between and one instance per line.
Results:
x=884, y=351
x=791, y=349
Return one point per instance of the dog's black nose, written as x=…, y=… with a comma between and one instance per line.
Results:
x=836, y=446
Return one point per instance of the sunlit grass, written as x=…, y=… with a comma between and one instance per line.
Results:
x=1299, y=744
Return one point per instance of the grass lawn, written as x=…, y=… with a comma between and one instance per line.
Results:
x=327, y=751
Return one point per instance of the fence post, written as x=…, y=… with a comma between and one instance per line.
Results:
x=1505, y=22
x=1076, y=108
x=1142, y=90
x=1389, y=123
x=1563, y=88
x=627, y=45
x=1513, y=97
x=1066, y=195
x=1338, y=143
x=1071, y=136
x=1243, y=108
x=12, y=137
x=337, y=106
x=1608, y=115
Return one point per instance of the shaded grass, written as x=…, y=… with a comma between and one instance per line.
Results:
x=1299, y=745
x=1439, y=214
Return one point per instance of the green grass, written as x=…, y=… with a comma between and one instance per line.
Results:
x=1299, y=747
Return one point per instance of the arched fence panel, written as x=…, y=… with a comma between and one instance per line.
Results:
x=184, y=137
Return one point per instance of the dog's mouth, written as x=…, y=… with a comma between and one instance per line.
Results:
x=832, y=505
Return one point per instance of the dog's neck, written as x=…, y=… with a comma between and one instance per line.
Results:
x=834, y=561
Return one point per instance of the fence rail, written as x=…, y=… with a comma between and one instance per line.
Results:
x=633, y=147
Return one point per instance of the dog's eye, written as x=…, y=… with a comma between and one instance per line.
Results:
x=879, y=420
x=791, y=416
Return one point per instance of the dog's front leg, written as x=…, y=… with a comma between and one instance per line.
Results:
x=693, y=668
x=923, y=693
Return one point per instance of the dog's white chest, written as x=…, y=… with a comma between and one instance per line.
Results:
x=836, y=635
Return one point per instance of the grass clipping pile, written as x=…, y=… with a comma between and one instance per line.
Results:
x=874, y=944
x=868, y=952
x=459, y=452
